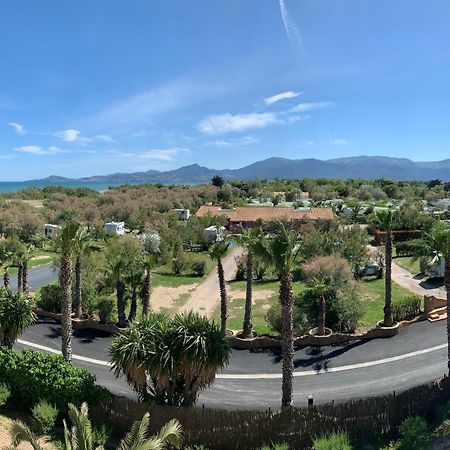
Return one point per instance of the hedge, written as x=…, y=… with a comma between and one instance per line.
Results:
x=34, y=376
x=406, y=248
x=406, y=308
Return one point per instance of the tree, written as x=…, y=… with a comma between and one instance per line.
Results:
x=148, y=263
x=437, y=243
x=16, y=315
x=281, y=252
x=386, y=220
x=80, y=436
x=217, y=252
x=320, y=288
x=5, y=261
x=180, y=357
x=68, y=250
x=134, y=277
x=217, y=181
x=84, y=244
x=249, y=239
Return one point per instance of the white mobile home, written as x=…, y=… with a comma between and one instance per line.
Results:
x=183, y=214
x=51, y=230
x=115, y=228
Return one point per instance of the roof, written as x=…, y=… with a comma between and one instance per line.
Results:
x=266, y=213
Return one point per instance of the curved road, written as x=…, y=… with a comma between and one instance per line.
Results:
x=253, y=378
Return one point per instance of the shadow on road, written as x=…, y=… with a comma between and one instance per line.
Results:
x=432, y=283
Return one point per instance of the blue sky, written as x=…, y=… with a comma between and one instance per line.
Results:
x=95, y=87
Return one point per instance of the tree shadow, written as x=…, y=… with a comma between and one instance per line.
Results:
x=432, y=283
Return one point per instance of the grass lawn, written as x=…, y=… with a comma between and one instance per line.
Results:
x=408, y=264
x=372, y=292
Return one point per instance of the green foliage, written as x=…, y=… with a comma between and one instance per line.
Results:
x=44, y=417
x=199, y=268
x=5, y=393
x=107, y=310
x=50, y=298
x=241, y=267
x=16, y=315
x=406, y=308
x=34, y=375
x=273, y=318
x=415, y=434
x=181, y=263
x=405, y=248
x=334, y=441
x=100, y=435
x=278, y=446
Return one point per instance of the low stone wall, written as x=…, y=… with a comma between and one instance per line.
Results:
x=431, y=303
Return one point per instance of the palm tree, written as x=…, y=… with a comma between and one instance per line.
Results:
x=281, y=252
x=437, y=242
x=249, y=238
x=68, y=251
x=386, y=220
x=5, y=261
x=217, y=252
x=133, y=278
x=169, y=361
x=84, y=245
x=16, y=315
x=320, y=288
x=148, y=263
x=80, y=435
x=26, y=255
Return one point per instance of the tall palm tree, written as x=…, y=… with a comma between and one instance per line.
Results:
x=26, y=255
x=217, y=252
x=134, y=280
x=149, y=263
x=320, y=288
x=68, y=249
x=281, y=252
x=437, y=242
x=5, y=261
x=80, y=435
x=248, y=239
x=84, y=245
x=117, y=271
x=385, y=221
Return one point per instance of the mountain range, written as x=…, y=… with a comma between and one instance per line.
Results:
x=363, y=167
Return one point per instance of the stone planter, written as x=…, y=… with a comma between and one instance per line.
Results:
x=314, y=331
x=238, y=334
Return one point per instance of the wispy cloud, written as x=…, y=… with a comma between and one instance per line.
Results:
x=227, y=123
x=293, y=34
x=18, y=128
x=167, y=154
x=282, y=96
x=75, y=136
x=236, y=142
x=305, y=107
x=104, y=138
x=38, y=150
x=308, y=142
x=68, y=135
x=338, y=142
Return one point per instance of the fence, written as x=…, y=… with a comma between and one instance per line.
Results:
x=227, y=430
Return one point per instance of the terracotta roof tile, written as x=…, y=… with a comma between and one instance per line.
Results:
x=266, y=213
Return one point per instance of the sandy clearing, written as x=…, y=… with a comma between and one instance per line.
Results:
x=260, y=294
x=165, y=297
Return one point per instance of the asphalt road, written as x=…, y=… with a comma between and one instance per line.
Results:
x=418, y=354
x=37, y=277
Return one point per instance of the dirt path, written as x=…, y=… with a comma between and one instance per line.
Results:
x=413, y=283
x=206, y=297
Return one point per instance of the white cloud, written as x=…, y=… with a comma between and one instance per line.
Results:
x=68, y=135
x=18, y=128
x=37, y=150
x=293, y=34
x=339, y=142
x=163, y=154
x=282, y=96
x=308, y=142
x=228, y=123
x=237, y=142
x=305, y=107
x=104, y=138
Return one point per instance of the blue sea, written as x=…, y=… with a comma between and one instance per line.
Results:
x=14, y=186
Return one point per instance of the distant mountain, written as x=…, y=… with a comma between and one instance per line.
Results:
x=364, y=167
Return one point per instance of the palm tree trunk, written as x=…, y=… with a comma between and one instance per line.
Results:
x=247, y=326
x=133, y=305
x=19, y=277
x=147, y=292
x=65, y=279
x=321, y=330
x=120, y=293
x=6, y=278
x=25, y=277
x=388, y=320
x=447, y=289
x=287, y=339
x=223, y=297
x=78, y=294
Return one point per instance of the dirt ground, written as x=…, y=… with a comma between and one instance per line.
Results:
x=164, y=297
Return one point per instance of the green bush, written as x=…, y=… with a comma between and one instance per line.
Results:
x=199, y=268
x=33, y=375
x=5, y=393
x=334, y=441
x=405, y=248
x=406, y=308
x=415, y=435
x=100, y=436
x=44, y=417
x=273, y=318
x=180, y=263
x=50, y=298
x=107, y=310
x=278, y=446
x=241, y=268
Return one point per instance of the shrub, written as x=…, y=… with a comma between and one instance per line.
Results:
x=5, y=393
x=278, y=446
x=334, y=441
x=50, y=298
x=415, y=435
x=199, y=268
x=100, y=436
x=405, y=248
x=273, y=318
x=333, y=268
x=107, y=310
x=44, y=417
x=32, y=375
x=241, y=267
x=406, y=308
x=260, y=269
x=180, y=263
